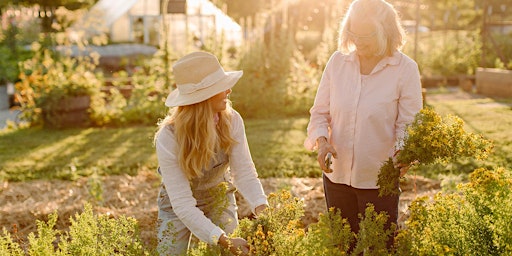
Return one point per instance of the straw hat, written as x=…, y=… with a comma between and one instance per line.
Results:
x=199, y=76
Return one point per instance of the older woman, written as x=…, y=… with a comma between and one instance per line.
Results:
x=203, y=156
x=368, y=93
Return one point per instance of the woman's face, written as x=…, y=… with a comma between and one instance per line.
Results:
x=219, y=101
x=363, y=34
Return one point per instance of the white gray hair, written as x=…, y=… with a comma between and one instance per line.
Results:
x=390, y=34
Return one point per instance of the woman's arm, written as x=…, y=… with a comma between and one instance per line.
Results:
x=242, y=167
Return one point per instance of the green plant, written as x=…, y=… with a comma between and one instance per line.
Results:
x=47, y=79
x=277, y=230
x=11, y=51
x=473, y=221
x=331, y=235
x=8, y=246
x=278, y=80
x=431, y=139
x=89, y=234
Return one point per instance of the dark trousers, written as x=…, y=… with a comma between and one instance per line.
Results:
x=353, y=201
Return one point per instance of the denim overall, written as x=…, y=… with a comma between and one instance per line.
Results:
x=173, y=236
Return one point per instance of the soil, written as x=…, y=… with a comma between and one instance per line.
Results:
x=24, y=202
x=135, y=196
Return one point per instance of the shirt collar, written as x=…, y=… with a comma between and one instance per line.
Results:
x=388, y=60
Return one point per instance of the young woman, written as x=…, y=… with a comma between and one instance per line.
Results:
x=203, y=158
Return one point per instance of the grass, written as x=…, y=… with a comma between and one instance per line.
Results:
x=67, y=154
x=276, y=146
x=30, y=154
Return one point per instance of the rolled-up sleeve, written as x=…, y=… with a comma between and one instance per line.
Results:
x=179, y=191
x=243, y=170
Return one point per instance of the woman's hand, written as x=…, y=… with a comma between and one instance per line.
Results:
x=401, y=166
x=323, y=148
x=236, y=245
x=259, y=209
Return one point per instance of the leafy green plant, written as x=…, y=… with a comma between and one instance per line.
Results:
x=11, y=50
x=430, y=139
x=47, y=79
x=473, y=221
x=278, y=80
x=277, y=229
x=8, y=246
x=89, y=234
x=331, y=235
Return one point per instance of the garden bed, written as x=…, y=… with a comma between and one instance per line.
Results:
x=494, y=82
x=24, y=202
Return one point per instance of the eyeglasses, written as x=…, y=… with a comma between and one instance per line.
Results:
x=353, y=36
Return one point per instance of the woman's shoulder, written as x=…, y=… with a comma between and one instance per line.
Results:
x=236, y=118
x=165, y=132
x=404, y=58
x=338, y=57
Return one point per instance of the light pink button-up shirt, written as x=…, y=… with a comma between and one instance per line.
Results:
x=364, y=116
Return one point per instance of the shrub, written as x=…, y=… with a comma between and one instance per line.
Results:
x=474, y=221
x=278, y=230
x=89, y=234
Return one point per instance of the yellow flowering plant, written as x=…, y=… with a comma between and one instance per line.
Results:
x=429, y=139
x=277, y=229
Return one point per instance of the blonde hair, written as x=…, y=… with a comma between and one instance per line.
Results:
x=390, y=34
x=198, y=137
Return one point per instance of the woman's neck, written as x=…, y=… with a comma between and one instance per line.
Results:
x=368, y=63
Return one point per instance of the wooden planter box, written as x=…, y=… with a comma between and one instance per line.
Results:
x=71, y=112
x=494, y=82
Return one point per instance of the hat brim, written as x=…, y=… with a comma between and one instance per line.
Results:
x=175, y=99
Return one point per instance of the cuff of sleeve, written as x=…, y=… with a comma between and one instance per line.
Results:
x=215, y=235
x=258, y=203
x=310, y=142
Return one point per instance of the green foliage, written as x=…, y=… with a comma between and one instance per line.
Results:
x=447, y=53
x=277, y=81
x=42, y=244
x=331, y=235
x=430, y=139
x=277, y=230
x=95, y=188
x=8, y=246
x=481, y=116
x=475, y=221
x=11, y=50
x=91, y=234
x=373, y=234
x=47, y=79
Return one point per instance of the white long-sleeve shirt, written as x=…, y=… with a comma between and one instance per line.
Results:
x=243, y=171
x=364, y=116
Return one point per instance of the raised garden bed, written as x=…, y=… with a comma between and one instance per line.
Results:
x=494, y=82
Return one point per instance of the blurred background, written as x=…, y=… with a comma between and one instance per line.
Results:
x=282, y=46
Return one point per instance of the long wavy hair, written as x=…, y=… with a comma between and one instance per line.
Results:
x=199, y=136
